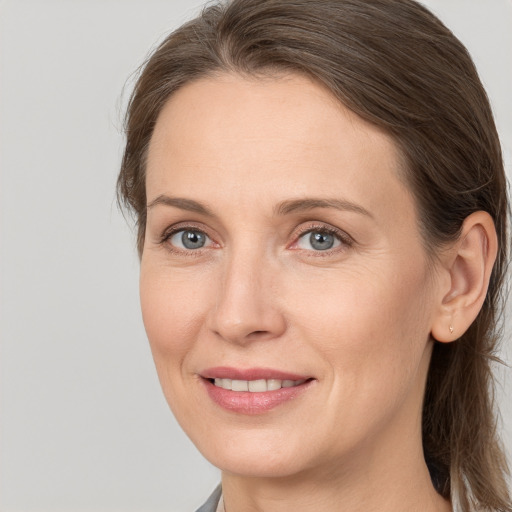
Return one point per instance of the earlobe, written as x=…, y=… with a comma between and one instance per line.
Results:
x=468, y=266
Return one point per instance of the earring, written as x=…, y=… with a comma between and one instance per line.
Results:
x=451, y=329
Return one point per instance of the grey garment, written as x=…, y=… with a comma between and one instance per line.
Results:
x=211, y=503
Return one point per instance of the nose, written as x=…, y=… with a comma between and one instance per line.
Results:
x=247, y=305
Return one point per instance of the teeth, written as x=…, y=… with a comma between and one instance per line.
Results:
x=256, y=386
x=223, y=383
x=239, y=385
x=273, y=384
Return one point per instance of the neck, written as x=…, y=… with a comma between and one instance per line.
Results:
x=413, y=492
x=377, y=480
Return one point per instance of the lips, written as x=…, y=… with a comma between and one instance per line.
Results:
x=226, y=372
x=253, y=391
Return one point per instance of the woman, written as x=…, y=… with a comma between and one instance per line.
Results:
x=322, y=213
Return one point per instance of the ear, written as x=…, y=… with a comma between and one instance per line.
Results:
x=467, y=267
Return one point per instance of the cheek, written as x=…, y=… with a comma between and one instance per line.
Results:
x=173, y=310
x=359, y=304
x=372, y=328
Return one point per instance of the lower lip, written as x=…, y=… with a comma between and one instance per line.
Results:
x=245, y=402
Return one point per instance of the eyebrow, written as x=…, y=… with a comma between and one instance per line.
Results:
x=303, y=205
x=283, y=208
x=181, y=203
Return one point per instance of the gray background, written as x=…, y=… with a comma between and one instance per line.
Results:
x=84, y=426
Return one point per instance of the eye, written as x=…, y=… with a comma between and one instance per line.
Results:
x=189, y=239
x=322, y=239
x=318, y=241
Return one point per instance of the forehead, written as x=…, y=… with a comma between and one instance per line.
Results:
x=267, y=138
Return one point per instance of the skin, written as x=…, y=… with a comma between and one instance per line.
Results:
x=357, y=318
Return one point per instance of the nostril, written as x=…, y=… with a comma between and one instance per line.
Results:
x=257, y=335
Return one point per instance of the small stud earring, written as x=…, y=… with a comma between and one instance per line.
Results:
x=451, y=329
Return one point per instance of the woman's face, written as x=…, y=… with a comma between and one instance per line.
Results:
x=283, y=260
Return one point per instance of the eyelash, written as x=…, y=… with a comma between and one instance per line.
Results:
x=168, y=234
x=346, y=241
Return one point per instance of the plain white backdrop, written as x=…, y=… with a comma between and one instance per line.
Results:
x=83, y=423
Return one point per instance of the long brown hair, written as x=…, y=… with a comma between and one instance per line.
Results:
x=396, y=65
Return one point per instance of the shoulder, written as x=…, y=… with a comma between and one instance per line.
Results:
x=211, y=503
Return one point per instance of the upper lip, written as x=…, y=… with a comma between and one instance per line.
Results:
x=226, y=372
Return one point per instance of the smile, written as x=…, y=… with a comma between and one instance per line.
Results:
x=256, y=386
x=253, y=391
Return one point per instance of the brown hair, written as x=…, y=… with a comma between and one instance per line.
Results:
x=396, y=65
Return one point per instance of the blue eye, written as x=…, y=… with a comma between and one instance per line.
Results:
x=319, y=240
x=189, y=239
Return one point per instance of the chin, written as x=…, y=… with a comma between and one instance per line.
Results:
x=253, y=457
x=258, y=466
